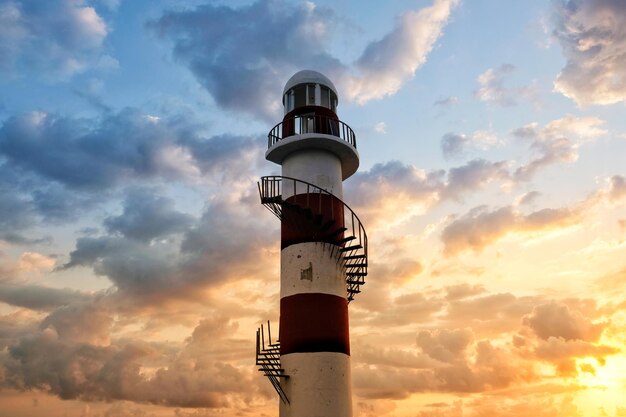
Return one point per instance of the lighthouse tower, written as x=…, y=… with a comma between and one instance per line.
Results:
x=323, y=252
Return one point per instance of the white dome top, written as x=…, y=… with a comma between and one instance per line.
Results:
x=309, y=77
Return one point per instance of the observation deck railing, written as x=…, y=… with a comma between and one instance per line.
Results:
x=303, y=124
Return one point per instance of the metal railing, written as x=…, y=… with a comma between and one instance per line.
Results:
x=352, y=244
x=268, y=360
x=299, y=125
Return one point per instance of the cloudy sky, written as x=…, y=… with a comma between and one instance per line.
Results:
x=136, y=260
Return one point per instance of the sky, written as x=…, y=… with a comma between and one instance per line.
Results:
x=136, y=260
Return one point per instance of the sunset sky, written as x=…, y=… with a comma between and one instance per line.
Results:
x=136, y=260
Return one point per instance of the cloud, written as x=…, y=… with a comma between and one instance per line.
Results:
x=242, y=57
x=71, y=357
x=96, y=154
x=481, y=227
x=226, y=243
x=491, y=368
x=445, y=345
x=446, y=102
x=472, y=176
x=592, y=36
x=460, y=291
x=556, y=142
x=28, y=263
x=528, y=198
x=369, y=192
x=452, y=144
x=455, y=144
x=557, y=320
x=617, y=189
x=84, y=322
x=380, y=127
x=492, y=89
x=56, y=38
x=489, y=314
x=557, y=349
x=388, y=63
x=496, y=406
x=375, y=194
x=147, y=216
x=39, y=298
x=15, y=214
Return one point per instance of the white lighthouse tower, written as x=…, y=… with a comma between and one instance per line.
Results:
x=323, y=252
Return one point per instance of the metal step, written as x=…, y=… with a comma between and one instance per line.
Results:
x=347, y=258
x=364, y=265
x=272, y=199
x=349, y=248
x=344, y=240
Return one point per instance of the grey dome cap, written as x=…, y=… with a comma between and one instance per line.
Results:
x=309, y=77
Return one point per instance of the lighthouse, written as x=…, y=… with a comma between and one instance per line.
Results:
x=323, y=260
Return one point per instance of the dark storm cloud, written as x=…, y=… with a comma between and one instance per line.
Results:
x=147, y=216
x=592, y=34
x=243, y=56
x=54, y=38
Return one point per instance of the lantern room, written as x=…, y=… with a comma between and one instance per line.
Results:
x=307, y=89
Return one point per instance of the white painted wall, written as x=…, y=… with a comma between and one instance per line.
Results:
x=316, y=166
x=319, y=385
x=326, y=275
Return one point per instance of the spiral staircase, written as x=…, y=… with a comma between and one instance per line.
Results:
x=326, y=219
x=323, y=218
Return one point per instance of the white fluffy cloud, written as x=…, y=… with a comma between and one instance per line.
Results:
x=592, y=34
x=389, y=62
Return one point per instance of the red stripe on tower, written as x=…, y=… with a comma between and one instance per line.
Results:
x=314, y=322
